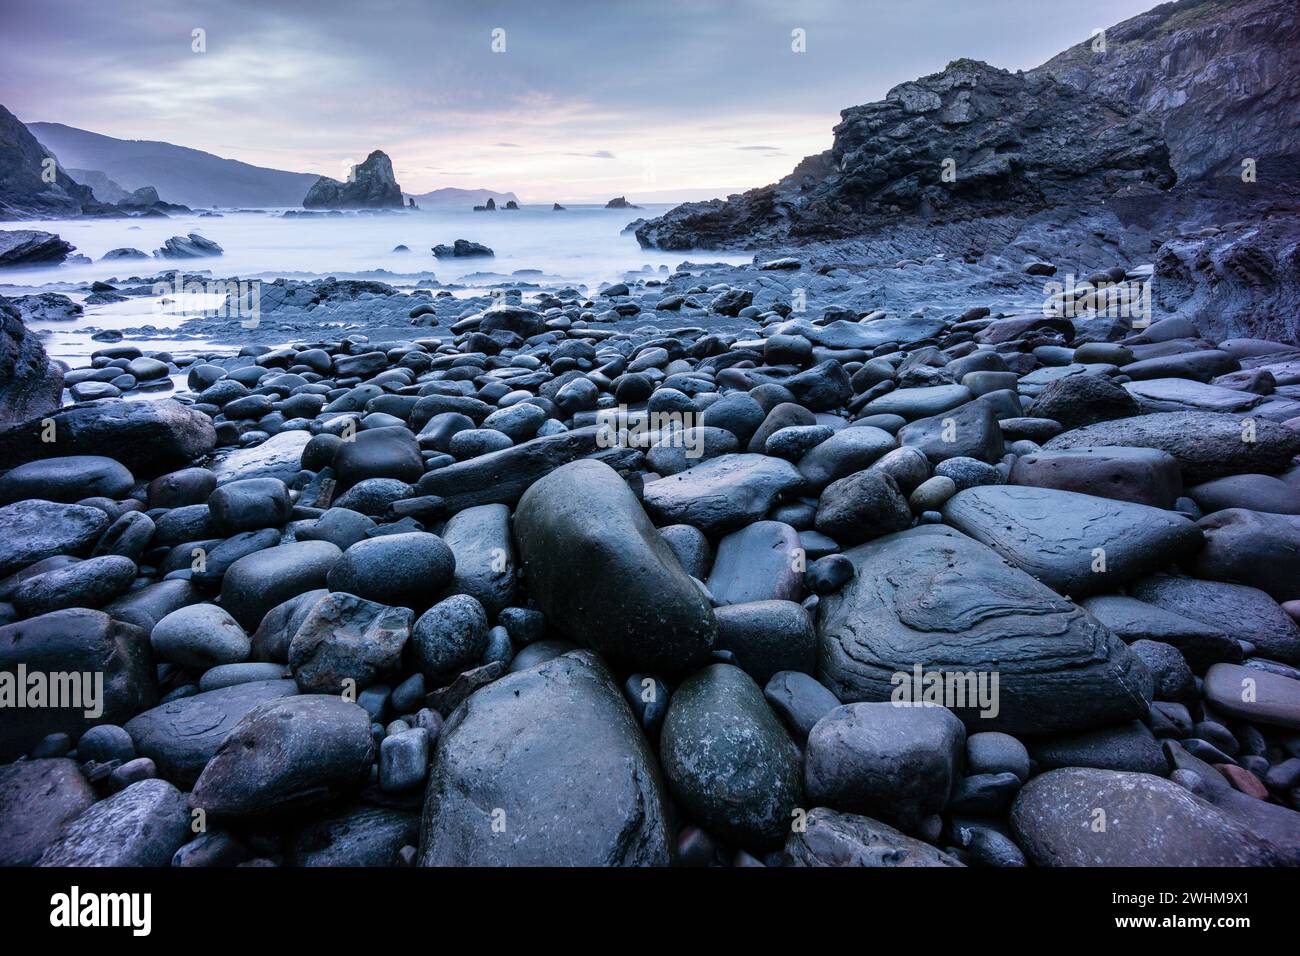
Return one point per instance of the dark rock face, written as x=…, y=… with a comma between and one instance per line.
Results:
x=1214, y=75
x=287, y=753
x=622, y=592
x=38, y=798
x=729, y=760
x=142, y=825
x=1145, y=821
x=355, y=836
x=182, y=735
x=149, y=438
x=79, y=642
x=1241, y=280
x=30, y=384
x=935, y=598
x=36, y=530
x=838, y=839
x=370, y=185
x=546, y=746
x=26, y=191
x=1017, y=142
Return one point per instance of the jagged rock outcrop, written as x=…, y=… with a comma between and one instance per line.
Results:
x=105, y=189
x=1221, y=78
x=30, y=384
x=1241, y=280
x=371, y=185
x=192, y=246
x=25, y=247
x=971, y=141
x=26, y=191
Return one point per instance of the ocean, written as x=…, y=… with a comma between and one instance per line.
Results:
x=581, y=245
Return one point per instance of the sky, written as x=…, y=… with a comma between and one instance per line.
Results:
x=569, y=100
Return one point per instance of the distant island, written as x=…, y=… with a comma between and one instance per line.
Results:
x=451, y=196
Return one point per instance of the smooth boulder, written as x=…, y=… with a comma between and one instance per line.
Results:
x=545, y=767
x=1088, y=817
x=604, y=577
x=728, y=759
x=287, y=753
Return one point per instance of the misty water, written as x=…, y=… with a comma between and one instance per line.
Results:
x=579, y=246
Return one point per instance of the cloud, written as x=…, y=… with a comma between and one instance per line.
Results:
x=666, y=89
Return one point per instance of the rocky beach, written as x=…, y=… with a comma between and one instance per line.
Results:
x=900, y=521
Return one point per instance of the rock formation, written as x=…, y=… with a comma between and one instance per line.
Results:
x=370, y=186
x=32, y=184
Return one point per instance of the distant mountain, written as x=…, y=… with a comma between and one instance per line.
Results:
x=451, y=196
x=180, y=174
x=31, y=186
x=105, y=189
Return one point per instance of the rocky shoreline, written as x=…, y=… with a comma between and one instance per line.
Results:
x=683, y=561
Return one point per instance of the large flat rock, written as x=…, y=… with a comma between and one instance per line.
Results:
x=182, y=735
x=1254, y=695
x=934, y=597
x=722, y=494
x=142, y=825
x=1206, y=444
x=1087, y=817
x=149, y=438
x=1076, y=544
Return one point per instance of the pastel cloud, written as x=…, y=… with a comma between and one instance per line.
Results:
x=676, y=98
